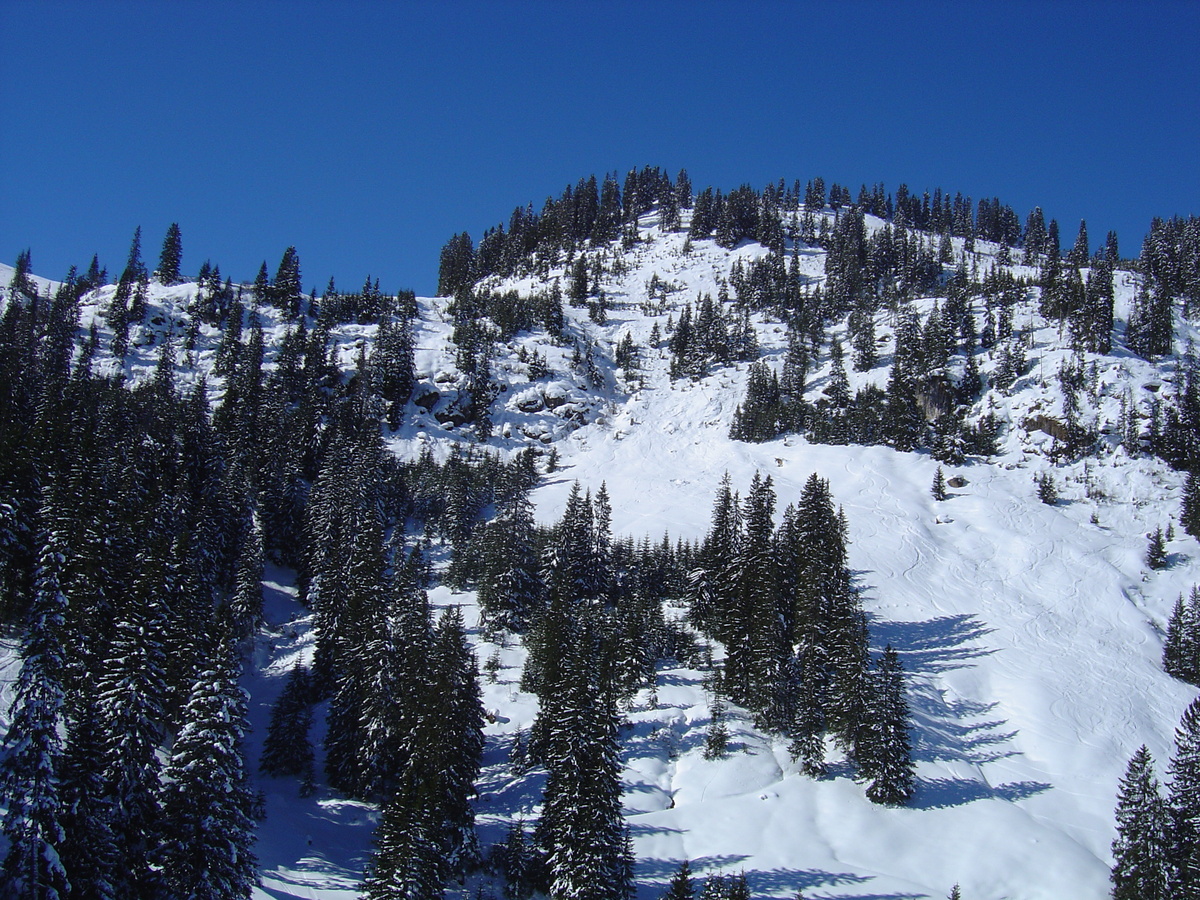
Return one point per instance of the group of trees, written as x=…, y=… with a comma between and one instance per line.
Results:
x=780, y=600
x=594, y=212
x=710, y=335
x=134, y=524
x=1181, y=650
x=588, y=213
x=122, y=533
x=922, y=406
x=1157, y=850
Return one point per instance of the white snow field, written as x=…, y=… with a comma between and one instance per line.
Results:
x=1031, y=634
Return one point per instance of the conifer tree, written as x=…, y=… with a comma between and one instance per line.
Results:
x=517, y=862
x=884, y=751
x=286, y=290
x=939, y=485
x=359, y=655
x=246, y=605
x=287, y=749
x=681, y=884
x=1189, y=513
x=208, y=834
x=448, y=745
x=710, y=591
x=510, y=589
x=1156, y=550
x=88, y=852
x=407, y=862
x=1047, y=491
x=33, y=751
x=171, y=257
x=131, y=692
x=1140, y=867
x=1183, y=800
x=1181, y=649
x=581, y=828
x=716, y=741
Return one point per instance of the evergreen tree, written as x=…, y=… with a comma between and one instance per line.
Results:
x=33, y=752
x=88, y=852
x=131, y=693
x=1183, y=800
x=21, y=285
x=939, y=485
x=1189, y=513
x=1047, y=491
x=246, y=605
x=884, y=751
x=1140, y=867
x=716, y=741
x=171, y=258
x=581, y=827
x=448, y=745
x=510, y=588
x=517, y=863
x=579, y=290
x=1156, y=550
x=286, y=290
x=681, y=884
x=262, y=285
x=287, y=749
x=1181, y=650
x=208, y=834
x=407, y=862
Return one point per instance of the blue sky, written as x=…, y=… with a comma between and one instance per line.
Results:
x=367, y=133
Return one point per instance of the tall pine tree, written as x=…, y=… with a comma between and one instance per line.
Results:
x=33, y=752
x=1140, y=865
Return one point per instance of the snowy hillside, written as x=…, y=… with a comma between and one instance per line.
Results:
x=1031, y=633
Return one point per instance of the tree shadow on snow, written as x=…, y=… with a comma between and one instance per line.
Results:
x=770, y=882
x=945, y=727
x=701, y=867
x=940, y=793
x=934, y=645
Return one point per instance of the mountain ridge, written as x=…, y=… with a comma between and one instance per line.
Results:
x=1031, y=632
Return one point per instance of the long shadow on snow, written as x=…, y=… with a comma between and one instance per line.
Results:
x=760, y=882
x=934, y=645
x=940, y=793
x=943, y=727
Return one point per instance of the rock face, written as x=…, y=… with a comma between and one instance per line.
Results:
x=426, y=396
x=1047, y=425
x=937, y=398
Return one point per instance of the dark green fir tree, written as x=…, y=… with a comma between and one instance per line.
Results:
x=1140, y=865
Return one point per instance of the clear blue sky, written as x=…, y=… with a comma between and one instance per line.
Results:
x=366, y=133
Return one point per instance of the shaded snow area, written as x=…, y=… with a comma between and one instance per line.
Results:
x=1031, y=634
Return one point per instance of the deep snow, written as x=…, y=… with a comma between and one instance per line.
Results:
x=1031, y=633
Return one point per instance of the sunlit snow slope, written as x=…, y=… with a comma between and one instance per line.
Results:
x=1032, y=634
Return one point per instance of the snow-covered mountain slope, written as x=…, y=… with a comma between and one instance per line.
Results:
x=1032, y=634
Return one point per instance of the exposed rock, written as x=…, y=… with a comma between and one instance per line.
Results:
x=450, y=416
x=937, y=398
x=1047, y=425
x=426, y=396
